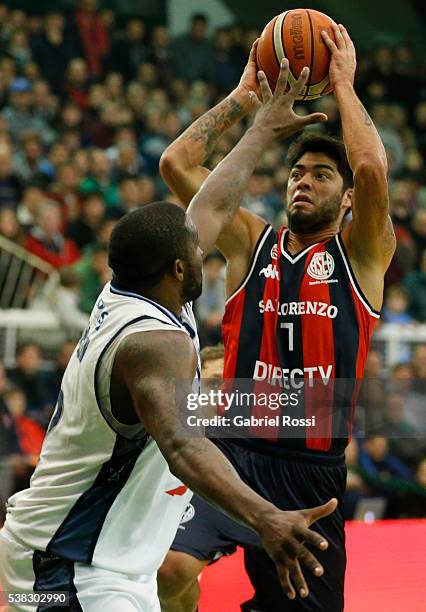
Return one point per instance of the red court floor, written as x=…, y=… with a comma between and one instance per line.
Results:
x=386, y=571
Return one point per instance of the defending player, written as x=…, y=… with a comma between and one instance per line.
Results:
x=302, y=301
x=103, y=505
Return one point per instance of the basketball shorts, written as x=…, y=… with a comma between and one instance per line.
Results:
x=90, y=589
x=207, y=534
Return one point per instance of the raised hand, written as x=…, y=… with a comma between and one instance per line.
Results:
x=343, y=56
x=283, y=536
x=275, y=112
x=248, y=81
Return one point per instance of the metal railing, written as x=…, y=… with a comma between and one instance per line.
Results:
x=394, y=340
x=22, y=275
x=45, y=327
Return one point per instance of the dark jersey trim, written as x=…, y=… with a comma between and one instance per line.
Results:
x=257, y=250
x=293, y=258
x=353, y=279
x=54, y=574
x=77, y=536
x=117, y=291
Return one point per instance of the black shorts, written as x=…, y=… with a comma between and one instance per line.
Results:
x=207, y=534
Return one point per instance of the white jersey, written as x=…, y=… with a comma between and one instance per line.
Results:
x=102, y=493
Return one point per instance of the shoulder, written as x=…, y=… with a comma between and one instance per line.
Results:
x=151, y=349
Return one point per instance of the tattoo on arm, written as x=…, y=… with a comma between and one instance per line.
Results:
x=211, y=126
x=367, y=117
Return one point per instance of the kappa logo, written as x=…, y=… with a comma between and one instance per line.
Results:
x=187, y=515
x=274, y=252
x=321, y=266
x=270, y=271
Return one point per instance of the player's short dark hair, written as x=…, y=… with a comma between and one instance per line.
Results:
x=146, y=241
x=321, y=143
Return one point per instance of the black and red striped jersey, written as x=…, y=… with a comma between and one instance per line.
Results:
x=300, y=318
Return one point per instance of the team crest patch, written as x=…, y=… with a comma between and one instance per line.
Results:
x=187, y=515
x=321, y=266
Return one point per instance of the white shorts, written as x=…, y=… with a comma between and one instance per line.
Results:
x=91, y=589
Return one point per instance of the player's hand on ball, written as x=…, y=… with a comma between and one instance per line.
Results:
x=275, y=112
x=284, y=536
x=343, y=56
x=248, y=81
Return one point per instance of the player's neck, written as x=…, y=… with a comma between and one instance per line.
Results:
x=298, y=242
x=165, y=298
x=162, y=295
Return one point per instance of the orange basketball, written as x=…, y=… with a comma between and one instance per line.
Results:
x=296, y=35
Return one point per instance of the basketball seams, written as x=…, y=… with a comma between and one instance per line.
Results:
x=291, y=77
x=311, y=65
x=277, y=38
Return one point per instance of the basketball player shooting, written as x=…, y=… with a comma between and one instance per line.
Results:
x=301, y=300
x=107, y=496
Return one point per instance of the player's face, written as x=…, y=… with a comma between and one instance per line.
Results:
x=315, y=194
x=193, y=281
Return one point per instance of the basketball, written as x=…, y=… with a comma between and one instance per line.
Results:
x=296, y=35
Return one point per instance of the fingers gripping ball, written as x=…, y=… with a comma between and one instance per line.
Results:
x=296, y=35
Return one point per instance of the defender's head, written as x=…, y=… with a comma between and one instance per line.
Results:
x=157, y=244
x=320, y=184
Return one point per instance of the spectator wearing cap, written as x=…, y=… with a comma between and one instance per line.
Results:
x=18, y=113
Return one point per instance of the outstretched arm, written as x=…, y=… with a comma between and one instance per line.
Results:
x=182, y=169
x=370, y=237
x=155, y=367
x=215, y=204
x=182, y=163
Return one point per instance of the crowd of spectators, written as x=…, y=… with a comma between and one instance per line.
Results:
x=87, y=106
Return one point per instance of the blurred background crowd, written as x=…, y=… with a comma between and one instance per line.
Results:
x=88, y=103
